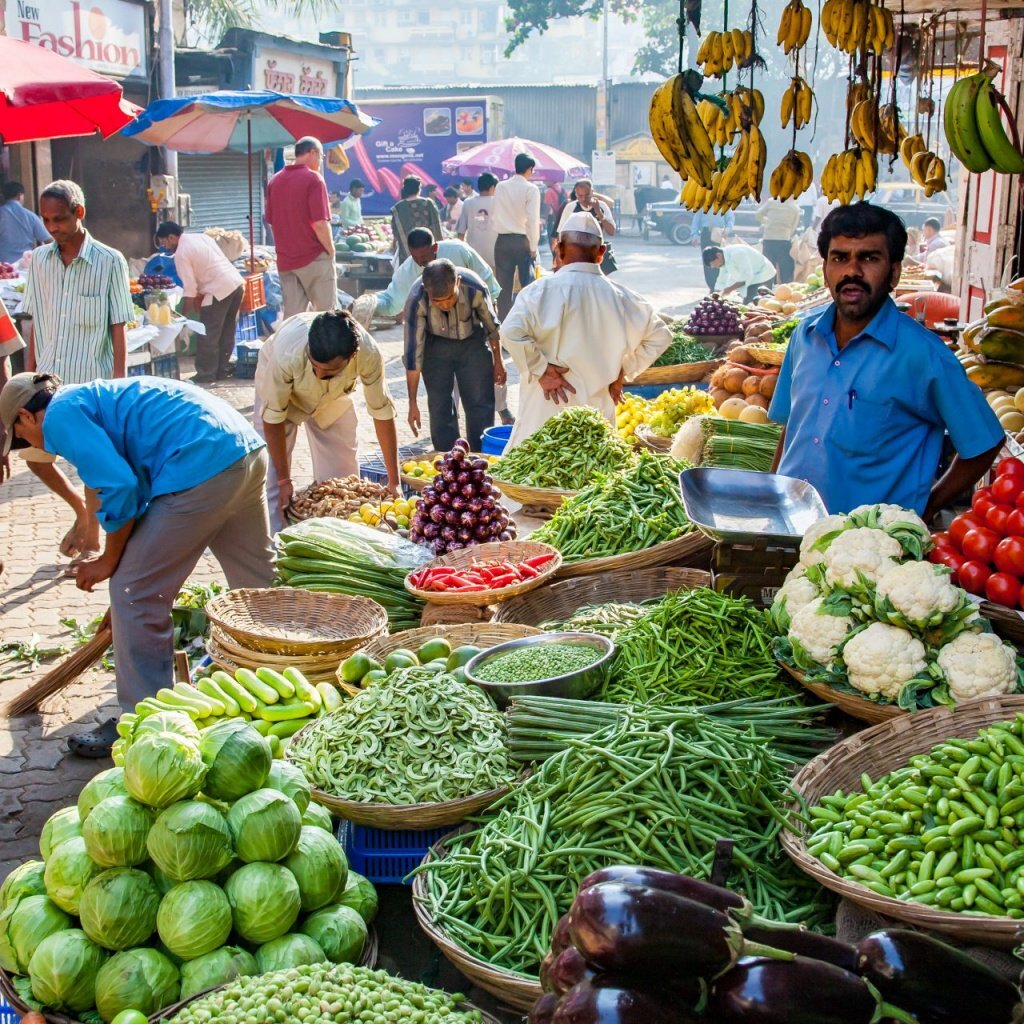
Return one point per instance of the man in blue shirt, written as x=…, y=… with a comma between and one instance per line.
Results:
x=866, y=394
x=175, y=470
x=20, y=229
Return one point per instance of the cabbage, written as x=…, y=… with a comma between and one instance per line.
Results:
x=319, y=817
x=25, y=880
x=237, y=758
x=291, y=950
x=137, y=979
x=288, y=779
x=63, y=970
x=115, y=834
x=99, y=787
x=194, y=918
x=164, y=884
x=265, y=901
x=265, y=825
x=360, y=895
x=68, y=871
x=190, y=839
x=319, y=866
x=340, y=931
x=61, y=825
x=118, y=908
x=167, y=721
x=162, y=767
x=25, y=924
x=216, y=968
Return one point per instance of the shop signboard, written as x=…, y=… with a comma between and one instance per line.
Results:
x=108, y=36
x=283, y=71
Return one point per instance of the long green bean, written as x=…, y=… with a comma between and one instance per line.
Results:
x=733, y=444
x=606, y=619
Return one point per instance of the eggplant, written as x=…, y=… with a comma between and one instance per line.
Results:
x=480, y=465
x=566, y=970
x=482, y=532
x=475, y=505
x=560, y=938
x=798, y=991
x=543, y=1010
x=458, y=503
x=798, y=939
x=429, y=493
x=458, y=453
x=504, y=535
x=451, y=517
x=668, y=881
x=477, y=476
x=935, y=982
x=612, y=1000
x=431, y=531
x=444, y=498
x=465, y=535
x=468, y=490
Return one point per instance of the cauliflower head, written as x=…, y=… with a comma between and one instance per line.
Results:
x=794, y=594
x=902, y=523
x=920, y=593
x=872, y=553
x=881, y=658
x=978, y=665
x=815, y=532
x=817, y=634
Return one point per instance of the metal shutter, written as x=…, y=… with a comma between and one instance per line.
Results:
x=219, y=186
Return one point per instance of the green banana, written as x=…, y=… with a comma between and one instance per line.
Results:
x=1005, y=157
x=961, y=126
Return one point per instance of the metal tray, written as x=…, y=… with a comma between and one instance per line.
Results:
x=736, y=506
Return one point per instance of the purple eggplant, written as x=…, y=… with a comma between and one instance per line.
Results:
x=475, y=505
x=477, y=476
x=468, y=491
x=935, y=982
x=560, y=938
x=668, y=881
x=437, y=514
x=480, y=465
x=465, y=535
x=444, y=498
x=462, y=478
x=481, y=533
x=543, y=1010
x=457, y=545
x=431, y=530
x=504, y=535
x=458, y=453
x=616, y=1001
x=798, y=939
x=566, y=970
x=428, y=494
x=495, y=492
x=451, y=517
x=798, y=991
x=459, y=503
x=448, y=534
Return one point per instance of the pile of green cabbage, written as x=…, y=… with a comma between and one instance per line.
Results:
x=156, y=887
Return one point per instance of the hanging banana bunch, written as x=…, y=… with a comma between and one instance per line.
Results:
x=974, y=127
x=718, y=119
x=852, y=173
x=720, y=52
x=858, y=26
x=794, y=26
x=741, y=178
x=927, y=169
x=797, y=101
x=679, y=133
x=749, y=102
x=792, y=177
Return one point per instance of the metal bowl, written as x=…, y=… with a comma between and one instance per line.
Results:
x=576, y=685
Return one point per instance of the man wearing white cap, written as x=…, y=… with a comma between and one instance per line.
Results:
x=576, y=336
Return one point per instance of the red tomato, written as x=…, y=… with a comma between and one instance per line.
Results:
x=972, y=576
x=948, y=556
x=1010, y=467
x=1009, y=556
x=1008, y=488
x=1015, y=523
x=942, y=538
x=997, y=517
x=982, y=500
x=1020, y=500
x=960, y=525
x=980, y=545
x=1002, y=588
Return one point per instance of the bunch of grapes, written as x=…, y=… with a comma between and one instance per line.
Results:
x=714, y=315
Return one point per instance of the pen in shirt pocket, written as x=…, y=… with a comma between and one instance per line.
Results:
x=852, y=396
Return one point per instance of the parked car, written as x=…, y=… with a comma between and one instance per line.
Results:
x=908, y=201
x=675, y=222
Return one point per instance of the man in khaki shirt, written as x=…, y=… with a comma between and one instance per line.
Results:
x=306, y=374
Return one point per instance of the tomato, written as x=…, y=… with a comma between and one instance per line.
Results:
x=997, y=517
x=972, y=576
x=948, y=556
x=1020, y=500
x=1015, y=523
x=982, y=500
x=1009, y=556
x=1002, y=588
x=1007, y=489
x=942, y=538
x=960, y=525
x=1010, y=467
x=980, y=545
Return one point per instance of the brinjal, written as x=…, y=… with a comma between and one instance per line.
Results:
x=560, y=938
x=480, y=465
x=462, y=478
x=668, y=881
x=543, y=1010
x=798, y=939
x=458, y=453
x=615, y=1001
x=468, y=490
x=798, y=991
x=565, y=971
x=935, y=982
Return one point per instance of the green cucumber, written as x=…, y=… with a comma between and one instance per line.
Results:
x=257, y=687
x=243, y=698
x=284, y=688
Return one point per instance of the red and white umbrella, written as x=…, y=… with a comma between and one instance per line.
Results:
x=499, y=158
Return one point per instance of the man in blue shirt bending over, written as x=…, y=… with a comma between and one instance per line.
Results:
x=176, y=470
x=866, y=393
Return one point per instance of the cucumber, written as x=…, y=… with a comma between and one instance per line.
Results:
x=275, y=746
x=332, y=700
x=304, y=690
x=277, y=681
x=189, y=692
x=211, y=689
x=243, y=698
x=282, y=730
x=257, y=687
x=125, y=725
x=262, y=727
x=197, y=706
x=287, y=712
x=151, y=705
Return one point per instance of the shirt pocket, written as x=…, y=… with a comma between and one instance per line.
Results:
x=89, y=312
x=863, y=426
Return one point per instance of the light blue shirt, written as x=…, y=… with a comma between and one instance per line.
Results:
x=133, y=439
x=865, y=424
x=391, y=301
x=20, y=230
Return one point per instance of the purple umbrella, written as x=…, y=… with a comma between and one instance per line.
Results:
x=499, y=157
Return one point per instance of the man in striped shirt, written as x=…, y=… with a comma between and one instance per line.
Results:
x=78, y=296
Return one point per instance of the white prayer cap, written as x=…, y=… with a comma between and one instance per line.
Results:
x=582, y=224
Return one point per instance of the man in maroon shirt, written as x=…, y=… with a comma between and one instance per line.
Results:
x=299, y=212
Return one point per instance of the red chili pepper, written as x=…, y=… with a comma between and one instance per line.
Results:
x=504, y=580
x=526, y=572
x=537, y=561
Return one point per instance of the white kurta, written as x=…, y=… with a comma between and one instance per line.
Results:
x=579, y=319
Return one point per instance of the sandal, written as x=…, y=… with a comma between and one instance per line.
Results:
x=95, y=744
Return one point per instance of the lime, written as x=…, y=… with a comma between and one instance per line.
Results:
x=375, y=675
x=461, y=655
x=458, y=674
x=434, y=649
x=355, y=667
x=400, y=658
x=130, y=1017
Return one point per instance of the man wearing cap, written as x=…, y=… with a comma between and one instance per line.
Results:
x=175, y=470
x=575, y=335
x=350, y=210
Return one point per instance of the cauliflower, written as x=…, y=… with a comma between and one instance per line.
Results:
x=903, y=524
x=860, y=555
x=918, y=594
x=978, y=665
x=798, y=572
x=815, y=634
x=796, y=592
x=816, y=532
x=881, y=659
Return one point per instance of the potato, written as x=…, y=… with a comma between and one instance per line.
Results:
x=732, y=408
x=751, y=385
x=718, y=377
x=759, y=400
x=753, y=414
x=767, y=385
x=734, y=379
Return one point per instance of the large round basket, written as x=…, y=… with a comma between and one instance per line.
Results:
x=315, y=672
x=467, y=634
x=517, y=990
x=692, y=549
x=1007, y=623
x=677, y=373
x=290, y=621
x=654, y=442
x=877, y=751
x=766, y=356
x=14, y=1000
x=466, y=558
x=856, y=707
x=560, y=600
x=547, y=498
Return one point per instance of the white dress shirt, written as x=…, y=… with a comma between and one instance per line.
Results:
x=517, y=209
x=204, y=269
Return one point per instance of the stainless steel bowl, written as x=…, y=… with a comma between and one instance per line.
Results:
x=576, y=685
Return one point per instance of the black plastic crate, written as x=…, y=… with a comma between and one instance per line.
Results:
x=246, y=358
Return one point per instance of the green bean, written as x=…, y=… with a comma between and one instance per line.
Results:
x=733, y=444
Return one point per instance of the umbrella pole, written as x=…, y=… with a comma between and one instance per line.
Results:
x=252, y=223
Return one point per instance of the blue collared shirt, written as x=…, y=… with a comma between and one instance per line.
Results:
x=20, y=231
x=865, y=424
x=133, y=439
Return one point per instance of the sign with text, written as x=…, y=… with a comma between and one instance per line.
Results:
x=281, y=71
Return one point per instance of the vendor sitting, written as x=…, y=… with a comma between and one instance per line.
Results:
x=866, y=393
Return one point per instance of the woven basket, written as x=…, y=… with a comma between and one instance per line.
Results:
x=514, y=550
x=766, y=356
x=1006, y=622
x=322, y=672
x=678, y=373
x=692, y=549
x=882, y=749
x=248, y=657
x=514, y=989
x=475, y=634
x=655, y=442
x=11, y=997
x=534, y=497
x=856, y=707
x=284, y=620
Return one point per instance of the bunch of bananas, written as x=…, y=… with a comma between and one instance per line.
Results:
x=796, y=103
x=719, y=52
x=795, y=26
x=854, y=172
x=725, y=119
x=925, y=167
x=877, y=130
x=858, y=26
x=792, y=177
x=679, y=133
x=742, y=177
x=974, y=128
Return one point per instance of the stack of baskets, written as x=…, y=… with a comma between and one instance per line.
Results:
x=282, y=628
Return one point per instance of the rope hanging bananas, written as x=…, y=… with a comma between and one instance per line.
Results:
x=797, y=102
x=679, y=133
x=878, y=130
x=794, y=26
x=974, y=127
x=858, y=26
x=720, y=52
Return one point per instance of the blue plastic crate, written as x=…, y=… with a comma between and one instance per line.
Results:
x=247, y=355
x=158, y=366
x=653, y=390
x=141, y=370
x=375, y=470
x=383, y=856
x=8, y=1015
x=247, y=328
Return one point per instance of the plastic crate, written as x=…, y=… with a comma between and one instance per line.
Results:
x=383, y=856
x=247, y=328
x=166, y=366
x=253, y=297
x=375, y=470
x=8, y=1015
x=141, y=370
x=247, y=355
x=653, y=390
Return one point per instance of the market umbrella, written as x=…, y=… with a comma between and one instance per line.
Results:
x=46, y=96
x=499, y=157
x=242, y=121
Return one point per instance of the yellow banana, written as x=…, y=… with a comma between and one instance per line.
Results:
x=696, y=141
x=830, y=13
x=788, y=102
x=785, y=28
x=804, y=32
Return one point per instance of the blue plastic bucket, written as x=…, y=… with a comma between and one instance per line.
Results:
x=495, y=439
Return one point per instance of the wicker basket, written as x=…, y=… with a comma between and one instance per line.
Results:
x=534, y=497
x=766, y=356
x=691, y=549
x=882, y=749
x=322, y=672
x=1006, y=622
x=655, y=442
x=475, y=634
x=514, y=989
x=856, y=707
x=678, y=373
x=514, y=550
x=249, y=658
x=285, y=620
